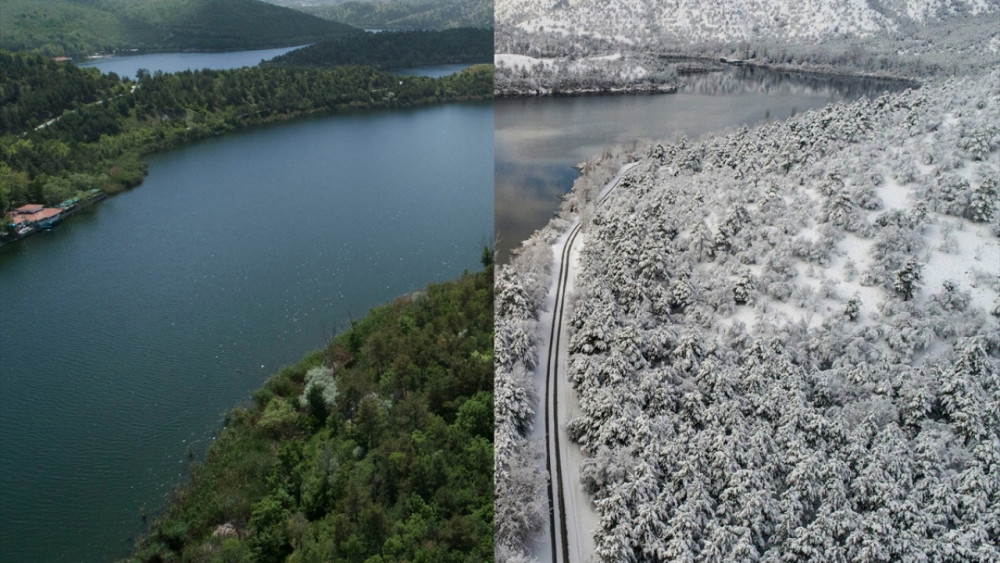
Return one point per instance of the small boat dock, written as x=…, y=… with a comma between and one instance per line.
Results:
x=33, y=217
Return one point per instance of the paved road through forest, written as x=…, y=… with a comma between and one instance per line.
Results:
x=571, y=540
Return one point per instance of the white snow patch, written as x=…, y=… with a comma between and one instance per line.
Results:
x=966, y=254
x=893, y=195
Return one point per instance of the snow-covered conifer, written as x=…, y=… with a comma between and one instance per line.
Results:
x=853, y=309
x=983, y=201
x=744, y=289
x=907, y=280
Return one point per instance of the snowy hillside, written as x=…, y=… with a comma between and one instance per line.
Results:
x=786, y=340
x=638, y=21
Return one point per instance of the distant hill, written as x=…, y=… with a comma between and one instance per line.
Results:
x=639, y=22
x=77, y=28
x=401, y=14
x=397, y=49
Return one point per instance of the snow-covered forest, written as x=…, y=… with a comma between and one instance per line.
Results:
x=786, y=340
x=521, y=75
x=644, y=22
x=520, y=503
x=587, y=46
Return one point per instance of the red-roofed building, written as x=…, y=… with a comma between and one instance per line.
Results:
x=29, y=208
x=34, y=215
x=45, y=215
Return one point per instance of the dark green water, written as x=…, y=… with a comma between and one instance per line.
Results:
x=128, y=331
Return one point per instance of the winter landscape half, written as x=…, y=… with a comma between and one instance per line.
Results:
x=775, y=343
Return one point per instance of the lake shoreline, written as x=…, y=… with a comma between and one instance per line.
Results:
x=170, y=139
x=165, y=51
x=533, y=179
x=609, y=90
x=705, y=65
x=240, y=254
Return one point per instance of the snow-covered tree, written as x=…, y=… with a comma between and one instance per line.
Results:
x=907, y=280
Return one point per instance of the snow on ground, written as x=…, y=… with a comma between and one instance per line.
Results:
x=966, y=255
x=578, y=503
x=583, y=518
x=521, y=61
x=548, y=24
x=693, y=21
x=893, y=194
x=605, y=67
x=772, y=263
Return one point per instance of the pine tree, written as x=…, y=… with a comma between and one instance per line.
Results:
x=744, y=289
x=907, y=280
x=983, y=202
x=853, y=309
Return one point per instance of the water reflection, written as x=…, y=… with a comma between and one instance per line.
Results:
x=540, y=140
x=736, y=80
x=128, y=65
x=525, y=194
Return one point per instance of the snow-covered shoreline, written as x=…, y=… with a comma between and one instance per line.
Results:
x=785, y=339
x=927, y=136
x=524, y=76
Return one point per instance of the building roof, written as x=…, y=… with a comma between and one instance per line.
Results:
x=30, y=208
x=47, y=213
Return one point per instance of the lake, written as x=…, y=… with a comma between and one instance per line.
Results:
x=129, y=330
x=127, y=65
x=540, y=140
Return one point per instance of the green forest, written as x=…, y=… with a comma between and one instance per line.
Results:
x=377, y=448
x=64, y=130
x=405, y=14
x=79, y=28
x=397, y=49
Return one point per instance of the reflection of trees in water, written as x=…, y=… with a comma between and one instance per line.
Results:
x=526, y=194
x=739, y=80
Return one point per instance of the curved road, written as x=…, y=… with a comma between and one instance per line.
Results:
x=571, y=540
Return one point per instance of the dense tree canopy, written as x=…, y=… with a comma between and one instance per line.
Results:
x=376, y=448
x=36, y=89
x=80, y=28
x=784, y=348
x=66, y=129
x=403, y=14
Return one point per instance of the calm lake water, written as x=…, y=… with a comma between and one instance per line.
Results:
x=128, y=331
x=126, y=66
x=540, y=140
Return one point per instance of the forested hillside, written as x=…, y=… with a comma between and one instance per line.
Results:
x=557, y=46
x=786, y=340
x=377, y=448
x=36, y=89
x=405, y=14
x=66, y=130
x=397, y=49
x=78, y=28
x=646, y=22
